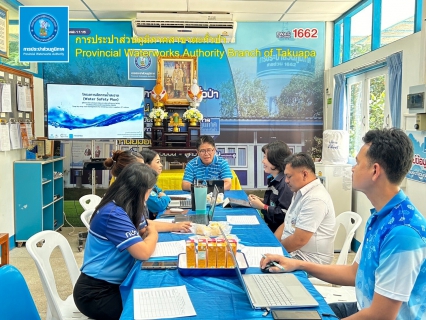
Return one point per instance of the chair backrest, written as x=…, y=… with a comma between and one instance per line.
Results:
x=89, y=201
x=85, y=217
x=15, y=297
x=350, y=221
x=40, y=247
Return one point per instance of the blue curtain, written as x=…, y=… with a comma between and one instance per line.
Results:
x=339, y=101
x=394, y=63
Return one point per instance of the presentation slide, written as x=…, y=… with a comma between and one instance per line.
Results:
x=94, y=112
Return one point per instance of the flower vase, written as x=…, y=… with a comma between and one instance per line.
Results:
x=193, y=122
x=158, y=122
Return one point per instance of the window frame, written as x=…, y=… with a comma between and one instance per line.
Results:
x=345, y=19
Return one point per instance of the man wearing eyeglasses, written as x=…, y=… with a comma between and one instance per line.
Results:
x=207, y=166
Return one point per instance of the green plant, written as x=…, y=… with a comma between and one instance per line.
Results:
x=315, y=148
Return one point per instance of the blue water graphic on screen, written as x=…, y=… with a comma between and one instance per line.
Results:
x=62, y=119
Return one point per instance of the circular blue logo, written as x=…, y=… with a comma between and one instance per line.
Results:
x=143, y=62
x=44, y=28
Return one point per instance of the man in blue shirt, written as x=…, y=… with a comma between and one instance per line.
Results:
x=207, y=166
x=390, y=271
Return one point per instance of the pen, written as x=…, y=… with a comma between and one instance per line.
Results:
x=274, y=263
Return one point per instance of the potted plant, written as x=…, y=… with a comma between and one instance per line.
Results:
x=193, y=115
x=316, y=149
x=157, y=114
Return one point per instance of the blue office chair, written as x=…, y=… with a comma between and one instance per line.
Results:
x=15, y=297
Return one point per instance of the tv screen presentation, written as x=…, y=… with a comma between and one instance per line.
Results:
x=94, y=112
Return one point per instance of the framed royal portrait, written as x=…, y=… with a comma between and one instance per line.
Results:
x=4, y=32
x=176, y=75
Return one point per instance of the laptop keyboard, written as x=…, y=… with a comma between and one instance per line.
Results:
x=185, y=203
x=272, y=291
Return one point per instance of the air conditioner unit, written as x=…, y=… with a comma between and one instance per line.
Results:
x=186, y=25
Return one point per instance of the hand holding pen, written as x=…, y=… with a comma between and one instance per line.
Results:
x=274, y=263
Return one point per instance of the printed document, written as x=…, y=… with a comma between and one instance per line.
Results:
x=6, y=98
x=169, y=248
x=242, y=220
x=161, y=303
x=254, y=254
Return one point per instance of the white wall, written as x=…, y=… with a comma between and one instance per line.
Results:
x=412, y=74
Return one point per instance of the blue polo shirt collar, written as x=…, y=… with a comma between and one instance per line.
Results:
x=397, y=199
x=199, y=162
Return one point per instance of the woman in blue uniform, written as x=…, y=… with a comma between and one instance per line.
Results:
x=118, y=235
x=158, y=201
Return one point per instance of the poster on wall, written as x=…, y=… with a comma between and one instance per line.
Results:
x=4, y=33
x=143, y=66
x=418, y=168
x=266, y=86
x=43, y=34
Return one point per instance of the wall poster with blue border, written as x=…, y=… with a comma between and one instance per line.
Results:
x=418, y=168
x=43, y=34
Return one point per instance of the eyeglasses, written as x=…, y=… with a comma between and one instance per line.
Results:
x=204, y=151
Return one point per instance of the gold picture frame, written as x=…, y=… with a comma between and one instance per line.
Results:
x=177, y=83
x=4, y=35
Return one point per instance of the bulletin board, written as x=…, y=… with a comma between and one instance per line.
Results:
x=16, y=78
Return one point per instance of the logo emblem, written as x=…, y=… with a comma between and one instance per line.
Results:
x=143, y=62
x=44, y=28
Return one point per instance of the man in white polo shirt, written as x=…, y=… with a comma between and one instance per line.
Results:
x=207, y=166
x=308, y=229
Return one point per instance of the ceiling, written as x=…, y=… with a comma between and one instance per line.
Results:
x=242, y=10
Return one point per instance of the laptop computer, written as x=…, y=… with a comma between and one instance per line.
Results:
x=220, y=184
x=180, y=202
x=201, y=218
x=235, y=203
x=275, y=290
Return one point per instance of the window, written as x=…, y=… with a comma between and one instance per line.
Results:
x=373, y=24
x=397, y=20
x=366, y=105
x=236, y=157
x=361, y=32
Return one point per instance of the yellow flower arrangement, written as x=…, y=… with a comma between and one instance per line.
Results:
x=193, y=113
x=158, y=113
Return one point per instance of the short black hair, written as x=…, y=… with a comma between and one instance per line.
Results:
x=205, y=139
x=277, y=152
x=392, y=150
x=300, y=160
x=148, y=155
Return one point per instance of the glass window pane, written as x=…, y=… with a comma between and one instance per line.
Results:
x=397, y=20
x=376, y=103
x=355, y=120
x=242, y=157
x=361, y=32
x=231, y=161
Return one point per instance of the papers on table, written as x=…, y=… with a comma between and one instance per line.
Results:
x=169, y=249
x=160, y=303
x=242, y=220
x=183, y=196
x=254, y=254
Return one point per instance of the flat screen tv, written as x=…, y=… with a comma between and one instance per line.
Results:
x=94, y=112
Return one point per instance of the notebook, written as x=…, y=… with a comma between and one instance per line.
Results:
x=201, y=218
x=275, y=290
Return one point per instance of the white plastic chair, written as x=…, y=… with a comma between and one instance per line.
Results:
x=85, y=217
x=89, y=201
x=350, y=221
x=40, y=247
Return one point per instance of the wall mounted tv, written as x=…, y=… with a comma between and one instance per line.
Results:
x=94, y=112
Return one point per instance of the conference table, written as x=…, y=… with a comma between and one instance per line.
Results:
x=215, y=297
